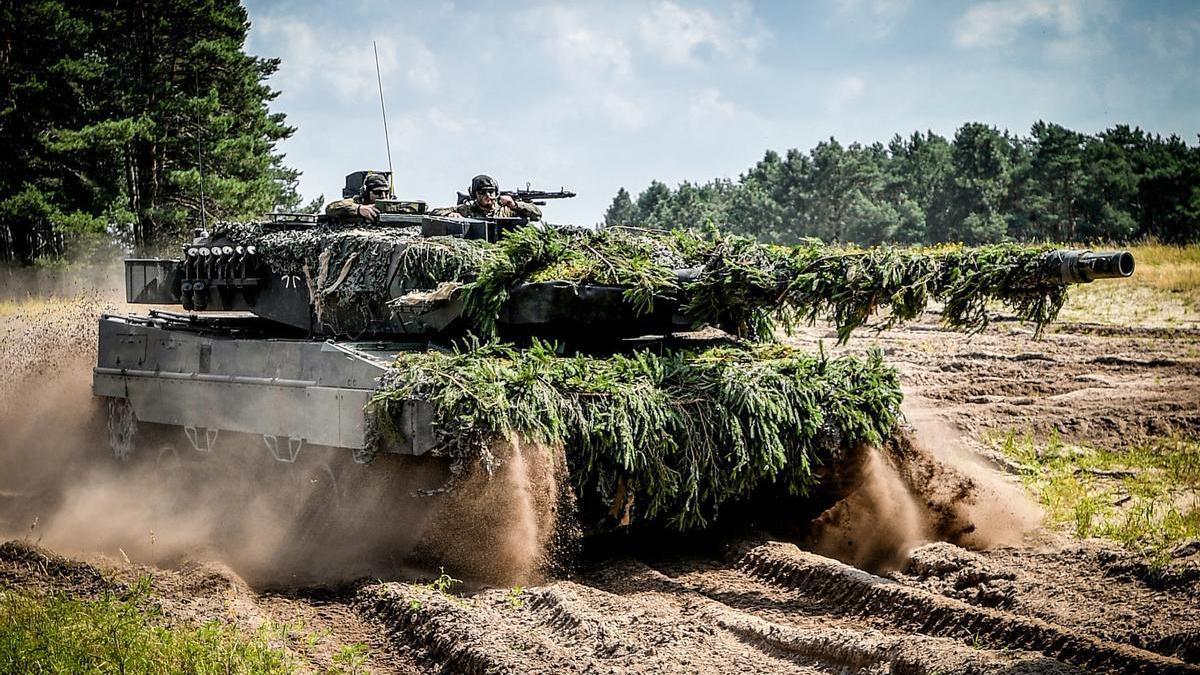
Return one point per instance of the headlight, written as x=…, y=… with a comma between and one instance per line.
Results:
x=193, y=251
x=227, y=250
x=251, y=250
x=240, y=250
x=204, y=251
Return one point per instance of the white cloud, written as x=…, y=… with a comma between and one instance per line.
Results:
x=678, y=35
x=708, y=105
x=444, y=122
x=1000, y=22
x=420, y=65
x=580, y=42
x=844, y=91
x=590, y=50
x=875, y=19
x=348, y=72
x=622, y=111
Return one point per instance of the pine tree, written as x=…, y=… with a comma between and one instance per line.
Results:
x=114, y=112
x=651, y=199
x=43, y=84
x=621, y=211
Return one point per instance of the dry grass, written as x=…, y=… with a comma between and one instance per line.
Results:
x=1175, y=269
x=1163, y=292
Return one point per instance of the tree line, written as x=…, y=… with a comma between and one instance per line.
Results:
x=982, y=186
x=111, y=114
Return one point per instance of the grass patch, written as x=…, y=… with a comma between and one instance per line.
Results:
x=124, y=634
x=1175, y=269
x=1145, y=497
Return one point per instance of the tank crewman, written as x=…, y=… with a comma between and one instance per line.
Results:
x=487, y=202
x=361, y=206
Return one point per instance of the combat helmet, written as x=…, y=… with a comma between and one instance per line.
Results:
x=481, y=182
x=373, y=181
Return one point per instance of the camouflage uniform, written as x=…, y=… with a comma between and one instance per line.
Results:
x=347, y=209
x=471, y=209
x=344, y=209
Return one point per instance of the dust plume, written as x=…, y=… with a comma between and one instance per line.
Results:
x=920, y=486
x=321, y=519
x=975, y=506
x=877, y=524
x=505, y=527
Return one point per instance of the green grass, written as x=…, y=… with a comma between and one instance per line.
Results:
x=1145, y=497
x=42, y=633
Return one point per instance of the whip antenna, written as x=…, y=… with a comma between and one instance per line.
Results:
x=386, y=141
x=200, y=158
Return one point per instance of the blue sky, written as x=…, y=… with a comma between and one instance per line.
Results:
x=597, y=96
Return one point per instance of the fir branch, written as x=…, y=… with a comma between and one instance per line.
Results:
x=685, y=432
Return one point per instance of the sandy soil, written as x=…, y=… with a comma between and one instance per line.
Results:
x=997, y=595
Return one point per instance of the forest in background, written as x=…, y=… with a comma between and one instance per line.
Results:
x=982, y=186
x=118, y=122
x=109, y=113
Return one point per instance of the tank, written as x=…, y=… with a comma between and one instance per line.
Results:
x=295, y=330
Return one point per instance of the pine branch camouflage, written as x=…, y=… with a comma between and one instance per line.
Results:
x=682, y=433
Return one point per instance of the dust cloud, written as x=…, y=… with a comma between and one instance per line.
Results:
x=877, y=524
x=920, y=486
x=320, y=520
x=273, y=523
x=507, y=527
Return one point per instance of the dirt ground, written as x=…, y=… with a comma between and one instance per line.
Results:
x=995, y=594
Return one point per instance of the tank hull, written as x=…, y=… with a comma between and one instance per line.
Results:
x=177, y=371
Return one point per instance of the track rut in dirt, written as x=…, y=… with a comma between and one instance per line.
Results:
x=769, y=607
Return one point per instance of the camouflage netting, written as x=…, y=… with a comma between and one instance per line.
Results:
x=740, y=285
x=681, y=433
x=744, y=287
x=684, y=432
x=347, y=270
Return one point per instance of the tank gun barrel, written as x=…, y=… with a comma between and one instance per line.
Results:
x=1083, y=266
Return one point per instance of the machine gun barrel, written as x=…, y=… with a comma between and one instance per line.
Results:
x=1083, y=266
x=538, y=197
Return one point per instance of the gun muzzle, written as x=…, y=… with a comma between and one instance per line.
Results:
x=1081, y=267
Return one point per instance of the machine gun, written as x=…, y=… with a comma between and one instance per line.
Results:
x=530, y=195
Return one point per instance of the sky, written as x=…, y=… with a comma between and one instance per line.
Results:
x=597, y=96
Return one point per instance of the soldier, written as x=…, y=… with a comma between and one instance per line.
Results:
x=487, y=202
x=361, y=206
